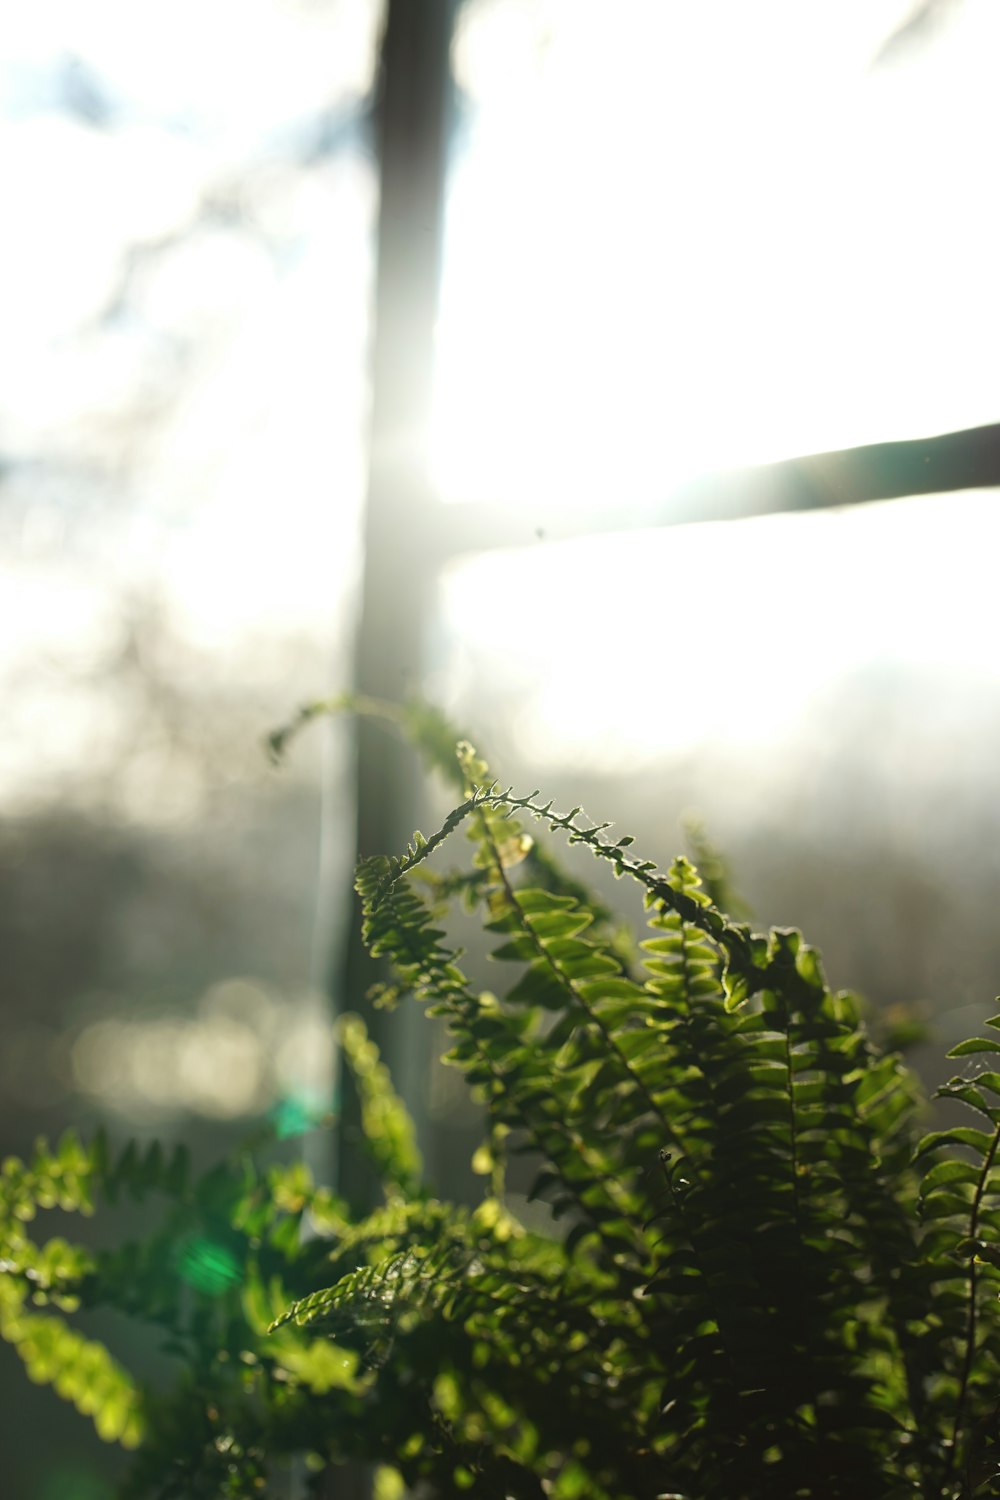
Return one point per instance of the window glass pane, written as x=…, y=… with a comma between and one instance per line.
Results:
x=188, y=203
x=822, y=690
x=686, y=236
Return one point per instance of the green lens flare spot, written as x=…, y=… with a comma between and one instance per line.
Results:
x=300, y=1112
x=208, y=1266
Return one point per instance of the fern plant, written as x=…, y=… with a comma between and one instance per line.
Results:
x=760, y=1282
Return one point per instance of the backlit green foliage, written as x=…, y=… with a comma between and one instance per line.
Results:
x=759, y=1281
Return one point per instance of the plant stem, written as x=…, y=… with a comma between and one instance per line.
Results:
x=970, y=1327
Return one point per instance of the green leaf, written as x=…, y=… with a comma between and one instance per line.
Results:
x=961, y=1135
x=949, y=1171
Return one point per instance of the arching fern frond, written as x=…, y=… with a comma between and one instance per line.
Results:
x=778, y=1241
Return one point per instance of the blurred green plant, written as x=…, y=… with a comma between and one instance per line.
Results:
x=759, y=1282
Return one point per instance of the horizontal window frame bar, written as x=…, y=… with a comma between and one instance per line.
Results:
x=941, y=464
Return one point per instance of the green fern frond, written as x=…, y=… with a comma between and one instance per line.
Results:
x=399, y=925
x=422, y=725
x=389, y=1132
x=81, y=1370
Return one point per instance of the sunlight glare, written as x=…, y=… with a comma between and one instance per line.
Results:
x=704, y=236
x=721, y=634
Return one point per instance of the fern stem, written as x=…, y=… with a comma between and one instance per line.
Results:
x=970, y=1326
x=278, y=741
x=735, y=940
x=793, y=1133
